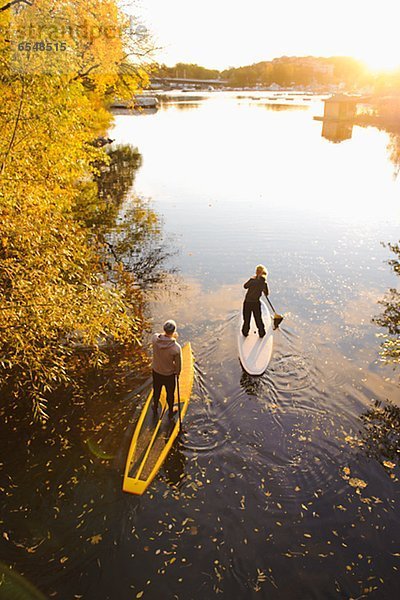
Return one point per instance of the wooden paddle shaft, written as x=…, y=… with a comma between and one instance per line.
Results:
x=179, y=403
x=270, y=303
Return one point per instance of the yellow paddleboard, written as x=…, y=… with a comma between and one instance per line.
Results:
x=154, y=435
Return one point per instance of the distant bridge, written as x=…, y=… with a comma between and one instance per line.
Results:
x=185, y=81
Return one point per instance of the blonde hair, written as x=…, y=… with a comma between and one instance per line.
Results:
x=261, y=270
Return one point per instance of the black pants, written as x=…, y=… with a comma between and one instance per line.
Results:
x=254, y=308
x=169, y=381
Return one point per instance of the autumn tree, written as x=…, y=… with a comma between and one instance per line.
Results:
x=60, y=311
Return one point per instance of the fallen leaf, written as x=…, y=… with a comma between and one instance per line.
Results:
x=95, y=539
x=357, y=483
x=389, y=464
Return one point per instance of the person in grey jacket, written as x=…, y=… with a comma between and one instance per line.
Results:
x=255, y=286
x=167, y=364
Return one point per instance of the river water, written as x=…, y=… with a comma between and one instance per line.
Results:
x=284, y=486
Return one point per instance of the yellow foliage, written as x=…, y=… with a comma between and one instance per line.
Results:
x=56, y=298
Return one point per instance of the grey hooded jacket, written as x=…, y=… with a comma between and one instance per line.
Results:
x=167, y=355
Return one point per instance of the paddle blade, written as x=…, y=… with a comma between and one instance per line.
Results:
x=277, y=320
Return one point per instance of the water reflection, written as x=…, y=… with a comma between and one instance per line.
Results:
x=337, y=131
x=143, y=112
x=116, y=178
x=137, y=242
x=279, y=107
x=390, y=318
x=380, y=437
x=174, y=466
x=394, y=150
x=250, y=384
x=100, y=204
x=128, y=225
x=182, y=105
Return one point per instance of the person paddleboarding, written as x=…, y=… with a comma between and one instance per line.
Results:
x=167, y=363
x=255, y=286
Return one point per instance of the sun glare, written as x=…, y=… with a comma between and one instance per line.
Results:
x=381, y=61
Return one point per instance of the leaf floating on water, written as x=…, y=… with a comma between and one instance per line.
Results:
x=389, y=464
x=139, y=594
x=63, y=559
x=357, y=483
x=353, y=441
x=95, y=539
x=346, y=470
x=261, y=575
x=365, y=500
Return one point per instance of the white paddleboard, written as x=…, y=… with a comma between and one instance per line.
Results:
x=255, y=352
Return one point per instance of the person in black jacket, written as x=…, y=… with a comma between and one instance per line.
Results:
x=255, y=286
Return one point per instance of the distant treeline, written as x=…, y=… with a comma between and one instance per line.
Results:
x=298, y=71
x=283, y=71
x=186, y=71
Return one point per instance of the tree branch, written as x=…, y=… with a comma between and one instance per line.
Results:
x=3, y=164
x=86, y=73
x=12, y=2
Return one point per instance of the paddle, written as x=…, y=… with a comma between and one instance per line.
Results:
x=179, y=403
x=277, y=318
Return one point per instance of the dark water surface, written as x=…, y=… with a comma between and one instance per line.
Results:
x=281, y=486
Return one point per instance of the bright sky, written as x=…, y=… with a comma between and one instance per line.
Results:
x=222, y=33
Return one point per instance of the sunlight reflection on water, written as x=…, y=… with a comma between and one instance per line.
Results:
x=236, y=184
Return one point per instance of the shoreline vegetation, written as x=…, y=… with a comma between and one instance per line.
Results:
x=68, y=304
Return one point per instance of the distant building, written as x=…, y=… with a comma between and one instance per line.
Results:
x=316, y=65
x=340, y=107
x=311, y=63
